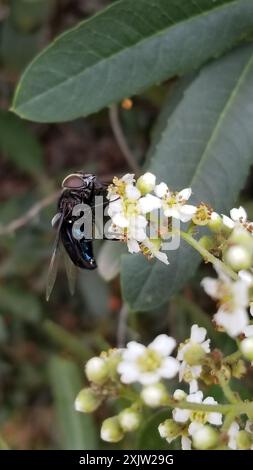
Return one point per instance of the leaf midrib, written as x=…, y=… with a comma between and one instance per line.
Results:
x=231, y=98
x=74, y=77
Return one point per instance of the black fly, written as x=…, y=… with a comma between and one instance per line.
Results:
x=78, y=188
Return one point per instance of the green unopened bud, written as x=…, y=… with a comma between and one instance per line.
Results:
x=87, y=401
x=215, y=223
x=205, y=438
x=169, y=429
x=146, y=183
x=129, y=420
x=111, y=430
x=194, y=355
x=244, y=440
x=154, y=395
x=238, y=257
x=246, y=348
x=179, y=395
x=241, y=237
x=96, y=370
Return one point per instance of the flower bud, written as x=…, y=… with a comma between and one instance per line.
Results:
x=205, y=438
x=215, y=223
x=241, y=237
x=169, y=429
x=154, y=395
x=194, y=355
x=238, y=257
x=146, y=183
x=96, y=370
x=87, y=401
x=244, y=440
x=129, y=420
x=246, y=348
x=179, y=395
x=111, y=430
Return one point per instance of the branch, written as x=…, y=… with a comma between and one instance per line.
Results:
x=121, y=140
x=29, y=215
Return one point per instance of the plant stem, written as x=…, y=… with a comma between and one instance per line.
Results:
x=121, y=140
x=122, y=326
x=233, y=357
x=229, y=394
x=237, y=408
x=208, y=256
x=228, y=421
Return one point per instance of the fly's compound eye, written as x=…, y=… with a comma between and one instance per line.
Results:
x=73, y=181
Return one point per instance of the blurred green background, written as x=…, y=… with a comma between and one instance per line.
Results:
x=43, y=346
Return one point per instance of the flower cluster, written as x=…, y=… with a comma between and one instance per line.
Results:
x=144, y=375
x=142, y=213
x=132, y=205
x=164, y=374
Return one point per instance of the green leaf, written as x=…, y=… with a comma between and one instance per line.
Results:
x=208, y=145
x=77, y=429
x=23, y=305
x=124, y=50
x=18, y=144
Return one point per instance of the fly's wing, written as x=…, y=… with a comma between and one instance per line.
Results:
x=54, y=263
x=71, y=271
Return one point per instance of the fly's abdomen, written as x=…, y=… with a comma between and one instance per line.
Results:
x=79, y=250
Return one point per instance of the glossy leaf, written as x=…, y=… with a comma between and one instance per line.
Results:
x=19, y=145
x=77, y=429
x=207, y=144
x=124, y=50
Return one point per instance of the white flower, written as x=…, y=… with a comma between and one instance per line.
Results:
x=195, y=418
x=148, y=365
x=190, y=355
x=233, y=299
x=154, y=250
x=174, y=203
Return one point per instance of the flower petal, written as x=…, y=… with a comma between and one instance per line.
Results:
x=133, y=246
x=181, y=416
x=133, y=351
x=163, y=344
x=238, y=215
x=210, y=286
x=233, y=322
x=169, y=368
x=149, y=203
x=228, y=222
x=161, y=189
x=185, y=194
x=198, y=334
x=186, y=443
